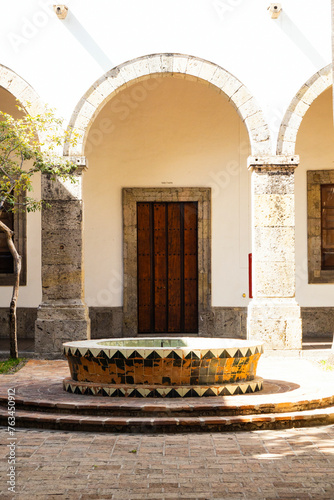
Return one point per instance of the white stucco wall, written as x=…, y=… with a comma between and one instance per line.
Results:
x=180, y=133
x=315, y=145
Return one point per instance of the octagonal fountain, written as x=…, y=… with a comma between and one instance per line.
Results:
x=163, y=367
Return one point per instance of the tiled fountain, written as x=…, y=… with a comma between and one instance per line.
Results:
x=163, y=367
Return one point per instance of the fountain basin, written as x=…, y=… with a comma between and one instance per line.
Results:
x=163, y=367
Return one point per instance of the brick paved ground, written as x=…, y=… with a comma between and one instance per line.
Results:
x=292, y=463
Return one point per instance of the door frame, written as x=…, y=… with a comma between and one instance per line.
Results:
x=130, y=197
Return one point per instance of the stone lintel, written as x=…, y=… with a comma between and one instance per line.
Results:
x=272, y=162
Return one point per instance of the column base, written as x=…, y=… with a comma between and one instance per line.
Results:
x=277, y=322
x=58, y=322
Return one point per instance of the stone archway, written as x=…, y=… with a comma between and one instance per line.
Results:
x=20, y=89
x=299, y=105
x=185, y=66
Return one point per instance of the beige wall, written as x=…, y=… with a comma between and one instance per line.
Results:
x=31, y=294
x=163, y=133
x=315, y=145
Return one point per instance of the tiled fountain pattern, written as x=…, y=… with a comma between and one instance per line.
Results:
x=99, y=369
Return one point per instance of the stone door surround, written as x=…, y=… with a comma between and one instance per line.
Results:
x=315, y=178
x=177, y=194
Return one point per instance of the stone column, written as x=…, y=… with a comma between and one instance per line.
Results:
x=273, y=314
x=62, y=315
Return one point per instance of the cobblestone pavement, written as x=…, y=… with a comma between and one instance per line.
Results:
x=291, y=463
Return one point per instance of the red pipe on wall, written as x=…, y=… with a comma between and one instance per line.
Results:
x=250, y=283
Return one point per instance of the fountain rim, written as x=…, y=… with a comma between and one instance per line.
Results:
x=189, y=343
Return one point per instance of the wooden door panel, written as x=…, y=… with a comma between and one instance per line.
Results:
x=190, y=267
x=328, y=218
x=174, y=268
x=167, y=267
x=144, y=267
x=160, y=266
x=327, y=195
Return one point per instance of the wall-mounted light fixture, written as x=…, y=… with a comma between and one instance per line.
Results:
x=61, y=11
x=274, y=10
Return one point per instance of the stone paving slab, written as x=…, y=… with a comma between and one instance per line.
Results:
x=259, y=465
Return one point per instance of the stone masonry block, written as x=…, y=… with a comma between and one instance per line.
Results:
x=306, y=94
x=274, y=244
x=194, y=66
x=167, y=63
x=207, y=71
x=103, y=87
x=276, y=333
x=297, y=107
x=51, y=334
x=241, y=96
x=288, y=133
x=180, y=64
x=155, y=64
x=87, y=110
x=260, y=148
x=292, y=119
x=274, y=210
x=219, y=78
x=61, y=190
x=275, y=321
x=287, y=148
x=314, y=202
x=141, y=67
x=274, y=279
x=63, y=281
x=250, y=108
x=116, y=81
x=314, y=227
x=61, y=215
x=278, y=181
x=95, y=98
x=254, y=121
x=127, y=73
x=60, y=249
x=317, y=84
x=231, y=86
x=259, y=134
x=17, y=86
x=63, y=310
x=6, y=77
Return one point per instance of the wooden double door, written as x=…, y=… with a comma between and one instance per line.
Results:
x=167, y=267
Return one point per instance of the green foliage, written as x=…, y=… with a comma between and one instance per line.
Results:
x=326, y=365
x=29, y=145
x=12, y=365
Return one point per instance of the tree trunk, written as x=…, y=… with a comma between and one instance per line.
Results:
x=12, y=310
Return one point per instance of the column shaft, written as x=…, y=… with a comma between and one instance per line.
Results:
x=273, y=314
x=62, y=315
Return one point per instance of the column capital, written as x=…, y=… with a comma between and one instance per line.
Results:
x=81, y=163
x=272, y=162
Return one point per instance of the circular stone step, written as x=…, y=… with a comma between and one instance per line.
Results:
x=160, y=391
